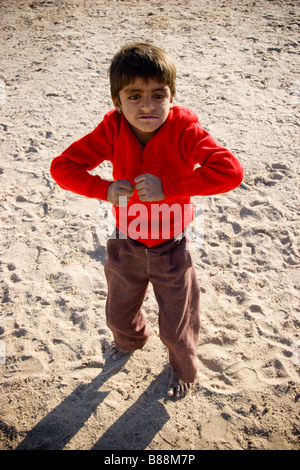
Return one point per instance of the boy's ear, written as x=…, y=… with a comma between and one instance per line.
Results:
x=117, y=105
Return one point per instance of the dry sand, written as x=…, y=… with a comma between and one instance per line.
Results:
x=238, y=68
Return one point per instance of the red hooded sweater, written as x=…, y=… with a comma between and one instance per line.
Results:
x=171, y=154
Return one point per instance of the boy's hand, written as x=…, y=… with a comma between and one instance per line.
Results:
x=149, y=188
x=119, y=188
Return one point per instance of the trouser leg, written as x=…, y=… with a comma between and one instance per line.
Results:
x=127, y=286
x=170, y=269
x=178, y=295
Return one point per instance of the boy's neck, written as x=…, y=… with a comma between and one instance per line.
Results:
x=142, y=137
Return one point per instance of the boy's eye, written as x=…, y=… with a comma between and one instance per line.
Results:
x=137, y=97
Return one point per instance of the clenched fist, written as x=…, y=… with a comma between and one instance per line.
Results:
x=117, y=189
x=149, y=187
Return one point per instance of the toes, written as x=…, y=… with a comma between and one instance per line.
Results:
x=178, y=391
x=113, y=350
x=177, y=388
x=116, y=352
x=182, y=390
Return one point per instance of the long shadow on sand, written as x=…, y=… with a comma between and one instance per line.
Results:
x=134, y=430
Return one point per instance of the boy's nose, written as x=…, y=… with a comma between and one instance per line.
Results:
x=147, y=104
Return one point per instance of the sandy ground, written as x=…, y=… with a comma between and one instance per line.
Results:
x=238, y=68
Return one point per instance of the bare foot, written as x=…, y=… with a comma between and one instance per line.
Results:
x=177, y=387
x=116, y=352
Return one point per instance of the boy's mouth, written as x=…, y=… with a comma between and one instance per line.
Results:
x=147, y=117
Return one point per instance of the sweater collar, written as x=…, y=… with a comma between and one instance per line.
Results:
x=134, y=137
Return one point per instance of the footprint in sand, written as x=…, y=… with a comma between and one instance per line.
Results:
x=222, y=374
x=26, y=366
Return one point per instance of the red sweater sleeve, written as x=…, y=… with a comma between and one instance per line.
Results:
x=219, y=172
x=71, y=169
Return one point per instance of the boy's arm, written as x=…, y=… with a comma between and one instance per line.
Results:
x=71, y=169
x=219, y=172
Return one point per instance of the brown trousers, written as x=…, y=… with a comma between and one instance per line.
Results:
x=129, y=268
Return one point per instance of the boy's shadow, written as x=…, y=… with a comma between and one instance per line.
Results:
x=134, y=430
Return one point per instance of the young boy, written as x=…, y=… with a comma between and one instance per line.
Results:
x=154, y=148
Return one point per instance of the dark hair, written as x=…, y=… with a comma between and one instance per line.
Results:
x=141, y=60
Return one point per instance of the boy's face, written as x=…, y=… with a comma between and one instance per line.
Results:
x=145, y=105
